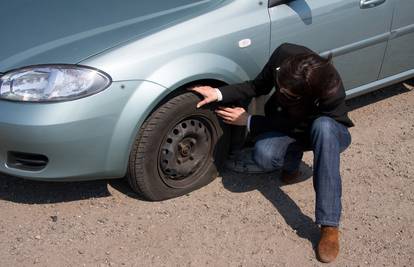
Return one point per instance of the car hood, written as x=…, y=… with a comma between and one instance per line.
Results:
x=58, y=31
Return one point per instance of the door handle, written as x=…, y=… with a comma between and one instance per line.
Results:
x=370, y=3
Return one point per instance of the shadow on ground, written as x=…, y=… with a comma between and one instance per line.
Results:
x=37, y=192
x=272, y=188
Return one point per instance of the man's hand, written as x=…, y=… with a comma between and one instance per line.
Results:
x=209, y=93
x=235, y=116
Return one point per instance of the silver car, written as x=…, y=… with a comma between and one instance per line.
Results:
x=97, y=89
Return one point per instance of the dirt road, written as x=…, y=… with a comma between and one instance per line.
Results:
x=238, y=220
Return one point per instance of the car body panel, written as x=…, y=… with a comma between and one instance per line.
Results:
x=84, y=139
x=51, y=31
x=183, y=48
x=400, y=51
x=356, y=37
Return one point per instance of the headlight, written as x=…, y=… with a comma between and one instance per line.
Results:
x=48, y=83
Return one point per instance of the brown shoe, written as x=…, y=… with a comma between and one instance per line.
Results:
x=328, y=247
x=290, y=177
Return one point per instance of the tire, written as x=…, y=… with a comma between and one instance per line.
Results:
x=178, y=149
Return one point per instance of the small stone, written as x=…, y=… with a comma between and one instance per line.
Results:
x=37, y=237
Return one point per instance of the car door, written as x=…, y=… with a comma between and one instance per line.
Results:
x=399, y=56
x=355, y=31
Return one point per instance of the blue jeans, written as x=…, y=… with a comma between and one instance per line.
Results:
x=328, y=138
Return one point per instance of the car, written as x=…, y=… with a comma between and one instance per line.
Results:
x=98, y=89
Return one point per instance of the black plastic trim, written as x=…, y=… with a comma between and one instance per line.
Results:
x=273, y=3
x=26, y=161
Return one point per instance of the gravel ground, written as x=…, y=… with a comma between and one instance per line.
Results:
x=237, y=220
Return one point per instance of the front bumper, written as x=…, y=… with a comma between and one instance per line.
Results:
x=85, y=139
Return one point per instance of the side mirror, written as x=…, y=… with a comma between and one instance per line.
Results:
x=273, y=3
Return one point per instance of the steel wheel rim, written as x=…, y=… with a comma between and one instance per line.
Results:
x=184, y=152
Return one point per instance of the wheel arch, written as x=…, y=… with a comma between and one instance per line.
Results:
x=134, y=115
x=162, y=84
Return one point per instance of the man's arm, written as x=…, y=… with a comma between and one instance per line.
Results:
x=261, y=85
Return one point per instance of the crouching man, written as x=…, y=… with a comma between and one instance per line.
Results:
x=307, y=111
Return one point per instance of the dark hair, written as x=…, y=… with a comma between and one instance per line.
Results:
x=309, y=74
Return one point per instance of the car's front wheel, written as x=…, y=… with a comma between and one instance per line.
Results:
x=177, y=150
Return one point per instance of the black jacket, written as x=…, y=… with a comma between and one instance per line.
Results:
x=294, y=120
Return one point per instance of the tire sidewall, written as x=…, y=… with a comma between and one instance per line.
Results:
x=163, y=120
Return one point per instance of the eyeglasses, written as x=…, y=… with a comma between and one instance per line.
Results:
x=288, y=94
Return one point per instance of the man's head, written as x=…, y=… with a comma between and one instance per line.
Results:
x=307, y=74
